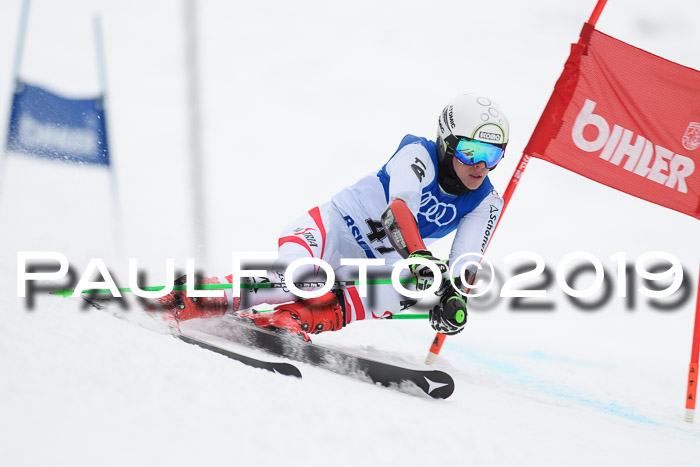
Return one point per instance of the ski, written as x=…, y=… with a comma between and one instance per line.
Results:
x=434, y=383
x=281, y=368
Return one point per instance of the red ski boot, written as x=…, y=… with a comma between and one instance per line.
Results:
x=176, y=305
x=310, y=316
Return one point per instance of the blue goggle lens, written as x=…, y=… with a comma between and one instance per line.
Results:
x=470, y=152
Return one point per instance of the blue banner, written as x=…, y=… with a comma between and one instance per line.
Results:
x=46, y=125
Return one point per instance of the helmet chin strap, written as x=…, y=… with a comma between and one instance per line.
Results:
x=448, y=178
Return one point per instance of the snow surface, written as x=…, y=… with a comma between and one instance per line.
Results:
x=293, y=91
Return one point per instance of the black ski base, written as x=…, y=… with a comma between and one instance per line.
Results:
x=435, y=383
x=281, y=368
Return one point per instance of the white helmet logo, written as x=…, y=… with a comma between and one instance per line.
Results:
x=490, y=136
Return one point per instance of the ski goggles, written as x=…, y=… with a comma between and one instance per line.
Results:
x=470, y=152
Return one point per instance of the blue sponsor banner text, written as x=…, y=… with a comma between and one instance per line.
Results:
x=47, y=125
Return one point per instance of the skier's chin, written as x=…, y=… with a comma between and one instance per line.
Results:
x=473, y=182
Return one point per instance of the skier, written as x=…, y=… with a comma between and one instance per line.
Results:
x=425, y=191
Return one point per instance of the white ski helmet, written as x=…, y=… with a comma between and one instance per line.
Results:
x=473, y=128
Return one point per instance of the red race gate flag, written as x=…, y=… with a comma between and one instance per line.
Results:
x=627, y=119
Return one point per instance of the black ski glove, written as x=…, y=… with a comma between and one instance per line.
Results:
x=423, y=274
x=450, y=315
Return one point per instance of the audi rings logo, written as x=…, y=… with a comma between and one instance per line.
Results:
x=435, y=211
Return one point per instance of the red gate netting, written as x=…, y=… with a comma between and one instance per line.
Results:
x=627, y=119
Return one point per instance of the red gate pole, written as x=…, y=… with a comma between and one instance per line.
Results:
x=519, y=169
x=507, y=195
x=693, y=370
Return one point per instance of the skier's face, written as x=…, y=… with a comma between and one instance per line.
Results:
x=472, y=176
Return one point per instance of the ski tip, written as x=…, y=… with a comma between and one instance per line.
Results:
x=443, y=393
x=287, y=369
x=440, y=385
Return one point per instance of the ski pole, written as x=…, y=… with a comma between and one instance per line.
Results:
x=65, y=292
x=439, y=339
x=410, y=316
x=519, y=169
x=390, y=317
